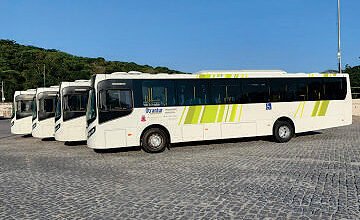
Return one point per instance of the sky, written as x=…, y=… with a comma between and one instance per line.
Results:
x=191, y=35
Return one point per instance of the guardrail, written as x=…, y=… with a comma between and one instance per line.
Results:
x=356, y=107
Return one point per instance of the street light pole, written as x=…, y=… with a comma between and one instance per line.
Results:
x=44, y=75
x=339, y=38
x=2, y=91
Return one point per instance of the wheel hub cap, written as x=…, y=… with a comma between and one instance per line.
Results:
x=155, y=140
x=284, y=132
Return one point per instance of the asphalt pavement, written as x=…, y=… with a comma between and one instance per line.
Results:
x=315, y=175
x=4, y=128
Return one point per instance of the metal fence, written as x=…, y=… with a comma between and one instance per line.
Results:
x=355, y=91
x=5, y=109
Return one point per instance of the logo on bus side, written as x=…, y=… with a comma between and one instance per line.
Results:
x=268, y=106
x=153, y=110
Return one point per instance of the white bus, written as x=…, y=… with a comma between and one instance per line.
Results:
x=132, y=109
x=43, y=110
x=21, y=118
x=70, y=120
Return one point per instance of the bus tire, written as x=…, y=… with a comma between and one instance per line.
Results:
x=154, y=140
x=283, y=131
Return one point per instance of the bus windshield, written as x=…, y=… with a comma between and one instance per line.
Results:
x=91, y=107
x=23, y=108
x=58, y=108
x=47, y=103
x=74, y=104
x=34, y=109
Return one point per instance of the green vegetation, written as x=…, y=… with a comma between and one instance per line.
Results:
x=354, y=73
x=21, y=67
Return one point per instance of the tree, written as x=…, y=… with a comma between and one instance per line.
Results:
x=21, y=67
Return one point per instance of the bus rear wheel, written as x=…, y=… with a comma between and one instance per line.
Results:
x=154, y=140
x=283, y=131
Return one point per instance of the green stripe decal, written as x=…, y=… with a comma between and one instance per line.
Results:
x=209, y=114
x=228, y=75
x=241, y=109
x=227, y=113
x=297, y=110
x=221, y=113
x=302, y=110
x=182, y=115
x=323, y=108
x=192, y=117
x=315, y=110
x=204, y=76
x=233, y=113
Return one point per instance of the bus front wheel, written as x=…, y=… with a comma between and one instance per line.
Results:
x=154, y=140
x=283, y=131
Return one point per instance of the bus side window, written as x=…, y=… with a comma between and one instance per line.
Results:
x=296, y=90
x=184, y=92
x=315, y=89
x=277, y=90
x=334, y=88
x=192, y=92
x=255, y=91
x=201, y=93
x=233, y=92
x=218, y=92
x=158, y=93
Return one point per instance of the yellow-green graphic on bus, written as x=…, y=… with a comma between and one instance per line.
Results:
x=211, y=114
x=319, y=109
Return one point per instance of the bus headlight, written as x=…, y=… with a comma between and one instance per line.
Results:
x=91, y=132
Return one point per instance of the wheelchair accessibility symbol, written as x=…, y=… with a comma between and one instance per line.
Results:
x=268, y=106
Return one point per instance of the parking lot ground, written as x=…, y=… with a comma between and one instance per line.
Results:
x=315, y=175
x=4, y=128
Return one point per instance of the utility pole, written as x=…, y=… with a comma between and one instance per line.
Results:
x=2, y=91
x=339, y=37
x=44, y=75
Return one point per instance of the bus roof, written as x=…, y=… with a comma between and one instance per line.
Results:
x=26, y=92
x=47, y=89
x=79, y=83
x=213, y=74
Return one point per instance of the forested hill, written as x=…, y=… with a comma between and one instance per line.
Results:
x=21, y=67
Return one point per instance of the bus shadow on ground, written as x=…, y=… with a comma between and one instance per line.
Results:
x=238, y=140
x=308, y=133
x=222, y=141
x=27, y=136
x=74, y=143
x=117, y=150
x=204, y=143
x=48, y=139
